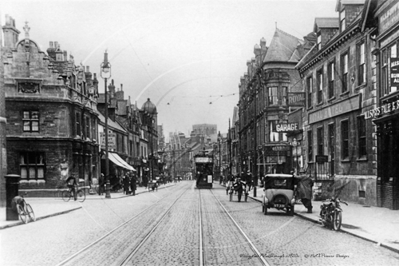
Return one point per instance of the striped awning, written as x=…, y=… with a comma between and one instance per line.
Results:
x=116, y=159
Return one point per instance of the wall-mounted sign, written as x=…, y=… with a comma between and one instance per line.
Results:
x=383, y=109
x=287, y=127
x=296, y=99
x=346, y=106
x=389, y=18
x=277, y=148
x=203, y=159
x=111, y=140
x=394, y=71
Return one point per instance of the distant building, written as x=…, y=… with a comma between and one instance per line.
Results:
x=209, y=130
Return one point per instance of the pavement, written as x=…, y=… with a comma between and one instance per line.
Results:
x=46, y=207
x=375, y=224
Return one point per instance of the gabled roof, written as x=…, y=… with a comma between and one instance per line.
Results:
x=111, y=123
x=283, y=48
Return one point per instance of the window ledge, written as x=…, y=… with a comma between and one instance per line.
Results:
x=363, y=85
x=362, y=159
x=319, y=104
x=331, y=99
x=344, y=93
x=345, y=161
x=310, y=108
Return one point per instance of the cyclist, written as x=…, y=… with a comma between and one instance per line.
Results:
x=71, y=184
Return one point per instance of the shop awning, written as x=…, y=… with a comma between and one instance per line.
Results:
x=116, y=159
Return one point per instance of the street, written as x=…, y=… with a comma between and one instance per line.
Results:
x=175, y=226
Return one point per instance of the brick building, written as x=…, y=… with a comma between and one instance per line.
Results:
x=337, y=79
x=51, y=114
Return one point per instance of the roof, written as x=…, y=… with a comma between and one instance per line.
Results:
x=111, y=123
x=283, y=48
x=149, y=107
x=325, y=23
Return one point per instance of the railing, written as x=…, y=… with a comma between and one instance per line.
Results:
x=321, y=171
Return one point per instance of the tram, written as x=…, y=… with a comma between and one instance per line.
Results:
x=203, y=170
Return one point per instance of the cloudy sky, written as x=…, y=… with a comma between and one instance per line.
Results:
x=186, y=56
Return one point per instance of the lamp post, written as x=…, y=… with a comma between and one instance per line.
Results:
x=220, y=155
x=106, y=74
x=295, y=144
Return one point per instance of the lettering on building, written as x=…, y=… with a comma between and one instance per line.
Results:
x=381, y=110
x=286, y=127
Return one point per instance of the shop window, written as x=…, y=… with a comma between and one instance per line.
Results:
x=344, y=71
x=273, y=98
x=30, y=121
x=320, y=86
x=32, y=165
x=310, y=146
x=345, y=139
x=361, y=68
x=309, y=89
x=320, y=141
x=361, y=127
x=331, y=79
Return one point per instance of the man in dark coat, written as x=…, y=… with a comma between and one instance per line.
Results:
x=304, y=191
x=126, y=183
x=133, y=185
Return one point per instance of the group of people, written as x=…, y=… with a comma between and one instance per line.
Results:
x=128, y=182
x=303, y=189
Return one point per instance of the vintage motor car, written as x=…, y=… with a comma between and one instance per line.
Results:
x=278, y=193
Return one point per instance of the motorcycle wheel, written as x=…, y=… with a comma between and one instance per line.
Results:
x=337, y=221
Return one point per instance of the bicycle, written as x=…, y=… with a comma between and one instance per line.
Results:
x=25, y=211
x=70, y=193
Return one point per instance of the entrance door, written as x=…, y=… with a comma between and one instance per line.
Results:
x=331, y=143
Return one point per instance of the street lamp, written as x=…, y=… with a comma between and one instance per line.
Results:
x=106, y=74
x=220, y=155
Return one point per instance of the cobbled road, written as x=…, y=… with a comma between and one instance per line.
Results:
x=281, y=239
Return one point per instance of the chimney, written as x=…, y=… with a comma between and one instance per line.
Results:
x=111, y=88
x=10, y=33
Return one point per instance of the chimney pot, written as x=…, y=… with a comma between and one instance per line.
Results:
x=121, y=87
x=87, y=69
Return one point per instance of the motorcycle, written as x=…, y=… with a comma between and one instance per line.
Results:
x=331, y=213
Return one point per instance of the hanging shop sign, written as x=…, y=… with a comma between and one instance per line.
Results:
x=296, y=99
x=287, y=127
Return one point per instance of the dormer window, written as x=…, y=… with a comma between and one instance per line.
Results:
x=342, y=20
x=319, y=40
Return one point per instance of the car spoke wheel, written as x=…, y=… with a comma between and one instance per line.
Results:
x=337, y=221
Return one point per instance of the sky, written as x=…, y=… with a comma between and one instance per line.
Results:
x=186, y=56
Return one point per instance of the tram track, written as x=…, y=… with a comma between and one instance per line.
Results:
x=242, y=233
x=81, y=256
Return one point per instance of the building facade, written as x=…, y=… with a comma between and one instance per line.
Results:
x=51, y=114
x=337, y=80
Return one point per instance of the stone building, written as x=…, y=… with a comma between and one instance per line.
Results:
x=382, y=20
x=51, y=113
x=265, y=92
x=337, y=80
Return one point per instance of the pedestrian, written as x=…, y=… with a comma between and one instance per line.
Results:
x=133, y=184
x=101, y=184
x=126, y=184
x=304, y=191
